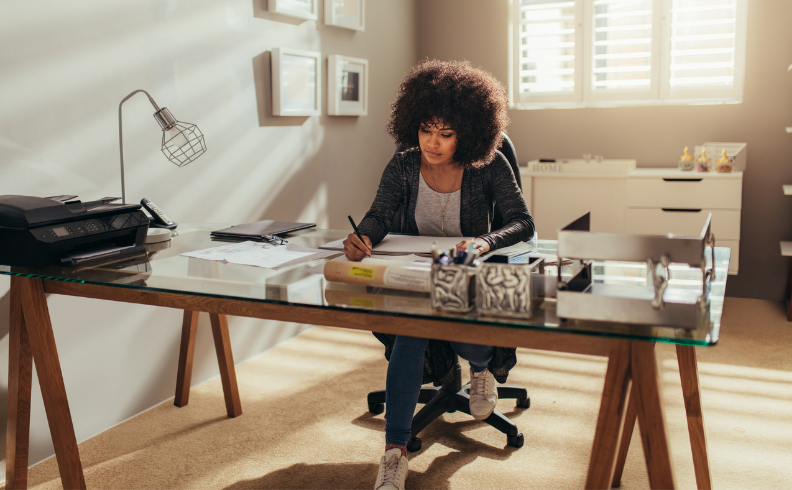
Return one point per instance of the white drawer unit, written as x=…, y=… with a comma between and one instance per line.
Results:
x=559, y=201
x=645, y=201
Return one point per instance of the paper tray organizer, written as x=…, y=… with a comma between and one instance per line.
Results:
x=581, y=298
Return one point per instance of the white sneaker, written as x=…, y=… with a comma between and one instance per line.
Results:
x=483, y=394
x=392, y=471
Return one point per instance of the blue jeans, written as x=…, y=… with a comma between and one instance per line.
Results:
x=403, y=384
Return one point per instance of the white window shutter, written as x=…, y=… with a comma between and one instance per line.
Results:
x=622, y=61
x=707, y=49
x=547, y=51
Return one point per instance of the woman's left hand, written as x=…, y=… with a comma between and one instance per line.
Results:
x=480, y=245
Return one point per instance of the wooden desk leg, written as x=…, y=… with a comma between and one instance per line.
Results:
x=627, y=432
x=45, y=354
x=650, y=416
x=20, y=377
x=611, y=416
x=186, y=353
x=688, y=372
x=225, y=358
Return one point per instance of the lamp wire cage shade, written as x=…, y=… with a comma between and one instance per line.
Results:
x=184, y=154
x=181, y=142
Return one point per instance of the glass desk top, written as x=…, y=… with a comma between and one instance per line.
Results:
x=163, y=269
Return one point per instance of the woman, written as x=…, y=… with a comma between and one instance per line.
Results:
x=450, y=182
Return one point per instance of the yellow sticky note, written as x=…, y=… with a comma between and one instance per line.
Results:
x=363, y=302
x=362, y=272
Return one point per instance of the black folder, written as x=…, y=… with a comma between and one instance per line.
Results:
x=259, y=229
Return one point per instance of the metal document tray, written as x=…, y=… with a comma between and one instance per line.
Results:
x=652, y=304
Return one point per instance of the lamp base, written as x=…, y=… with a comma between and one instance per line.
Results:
x=156, y=235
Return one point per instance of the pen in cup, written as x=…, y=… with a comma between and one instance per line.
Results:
x=357, y=232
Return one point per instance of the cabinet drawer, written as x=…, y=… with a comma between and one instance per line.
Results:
x=725, y=223
x=693, y=192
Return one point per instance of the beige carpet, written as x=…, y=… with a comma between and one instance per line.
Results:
x=306, y=425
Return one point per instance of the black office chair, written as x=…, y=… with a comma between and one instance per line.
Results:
x=452, y=397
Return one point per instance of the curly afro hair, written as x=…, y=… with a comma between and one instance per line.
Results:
x=469, y=100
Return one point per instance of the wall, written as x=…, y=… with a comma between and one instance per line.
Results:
x=464, y=29
x=64, y=68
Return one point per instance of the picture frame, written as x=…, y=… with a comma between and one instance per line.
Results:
x=303, y=9
x=296, y=82
x=347, y=86
x=348, y=14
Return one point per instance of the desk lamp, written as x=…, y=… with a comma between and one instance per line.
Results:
x=181, y=142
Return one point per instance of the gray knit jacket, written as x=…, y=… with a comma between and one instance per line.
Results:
x=485, y=191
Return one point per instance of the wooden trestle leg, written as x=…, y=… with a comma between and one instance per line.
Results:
x=610, y=420
x=225, y=359
x=632, y=366
x=688, y=372
x=627, y=432
x=34, y=326
x=20, y=374
x=650, y=416
x=186, y=353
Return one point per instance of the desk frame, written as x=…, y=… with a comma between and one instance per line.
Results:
x=631, y=389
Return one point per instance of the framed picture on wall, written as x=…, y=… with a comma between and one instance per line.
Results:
x=296, y=86
x=347, y=86
x=304, y=9
x=349, y=14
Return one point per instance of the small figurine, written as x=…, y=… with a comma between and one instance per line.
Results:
x=724, y=164
x=686, y=161
x=703, y=161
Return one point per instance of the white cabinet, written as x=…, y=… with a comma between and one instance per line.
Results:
x=646, y=201
x=556, y=202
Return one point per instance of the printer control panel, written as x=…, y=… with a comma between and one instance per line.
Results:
x=93, y=226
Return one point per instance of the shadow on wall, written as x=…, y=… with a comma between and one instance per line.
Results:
x=318, y=173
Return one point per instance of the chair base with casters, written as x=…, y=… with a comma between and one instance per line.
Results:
x=452, y=397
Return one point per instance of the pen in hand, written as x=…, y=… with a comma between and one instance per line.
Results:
x=357, y=232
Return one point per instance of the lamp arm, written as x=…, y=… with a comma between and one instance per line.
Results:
x=121, y=136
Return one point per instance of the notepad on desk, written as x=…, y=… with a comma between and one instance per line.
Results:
x=404, y=244
x=259, y=229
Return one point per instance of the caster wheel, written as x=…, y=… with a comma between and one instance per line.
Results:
x=524, y=402
x=515, y=441
x=376, y=408
x=414, y=445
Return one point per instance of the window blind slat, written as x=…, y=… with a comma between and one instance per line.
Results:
x=621, y=44
x=547, y=56
x=703, y=43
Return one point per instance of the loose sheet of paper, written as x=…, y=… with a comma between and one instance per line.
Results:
x=259, y=254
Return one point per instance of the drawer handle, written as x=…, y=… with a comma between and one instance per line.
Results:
x=682, y=180
x=681, y=210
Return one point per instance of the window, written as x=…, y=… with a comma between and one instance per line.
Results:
x=577, y=53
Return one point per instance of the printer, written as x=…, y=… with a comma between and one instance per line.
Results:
x=40, y=232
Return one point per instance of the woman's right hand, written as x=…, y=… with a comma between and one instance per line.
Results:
x=357, y=250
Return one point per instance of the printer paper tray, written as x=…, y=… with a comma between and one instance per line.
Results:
x=98, y=253
x=633, y=305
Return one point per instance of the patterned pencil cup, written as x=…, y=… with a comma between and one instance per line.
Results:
x=452, y=287
x=505, y=289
